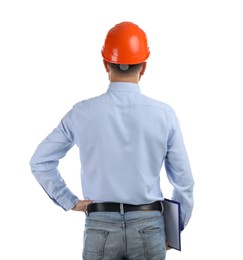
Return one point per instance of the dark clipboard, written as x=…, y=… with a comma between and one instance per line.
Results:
x=172, y=223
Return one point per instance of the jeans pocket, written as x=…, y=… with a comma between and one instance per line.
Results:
x=94, y=243
x=153, y=239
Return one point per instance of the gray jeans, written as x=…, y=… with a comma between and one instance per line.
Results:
x=134, y=235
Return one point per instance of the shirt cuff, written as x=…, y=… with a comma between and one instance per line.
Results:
x=67, y=202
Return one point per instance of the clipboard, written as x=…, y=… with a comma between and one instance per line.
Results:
x=172, y=223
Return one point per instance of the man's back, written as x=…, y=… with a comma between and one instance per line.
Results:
x=123, y=137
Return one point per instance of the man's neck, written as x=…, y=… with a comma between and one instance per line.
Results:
x=124, y=79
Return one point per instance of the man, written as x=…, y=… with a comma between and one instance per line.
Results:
x=124, y=138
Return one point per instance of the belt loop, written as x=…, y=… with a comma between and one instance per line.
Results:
x=122, y=208
x=162, y=207
x=86, y=211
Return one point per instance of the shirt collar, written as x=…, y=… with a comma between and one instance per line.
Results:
x=124, y=87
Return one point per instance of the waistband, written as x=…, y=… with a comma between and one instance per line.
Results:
x=123, y=208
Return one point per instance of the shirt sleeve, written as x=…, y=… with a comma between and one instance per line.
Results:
x=179, y=171
x=45, y=160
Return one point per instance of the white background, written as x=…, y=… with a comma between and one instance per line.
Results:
x=50, y=59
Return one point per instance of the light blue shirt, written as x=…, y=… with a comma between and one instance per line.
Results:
x=124, y=138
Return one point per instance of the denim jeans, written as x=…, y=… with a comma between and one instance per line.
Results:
x=134, y=235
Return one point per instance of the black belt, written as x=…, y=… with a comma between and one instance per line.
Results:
x=119, y=207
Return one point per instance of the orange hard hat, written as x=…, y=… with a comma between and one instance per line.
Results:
x=125, y=43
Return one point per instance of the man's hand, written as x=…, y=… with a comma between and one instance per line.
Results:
x=167, y=246
x=82, y=205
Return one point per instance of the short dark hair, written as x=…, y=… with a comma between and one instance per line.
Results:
x=125, y=69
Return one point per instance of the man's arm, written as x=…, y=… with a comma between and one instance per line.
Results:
x=44, y=164
x=179, y=171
